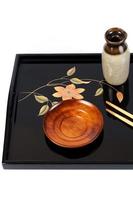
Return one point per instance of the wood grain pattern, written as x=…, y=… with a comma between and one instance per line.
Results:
x=73, y=123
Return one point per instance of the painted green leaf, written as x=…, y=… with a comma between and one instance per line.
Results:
x=99, y=91
x=79, y=81
x=54, y=103
x=71, y=71
x=44, y=109
x=41, y=98
x=86, y=82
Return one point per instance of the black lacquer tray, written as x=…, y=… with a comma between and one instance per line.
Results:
x=25, y=145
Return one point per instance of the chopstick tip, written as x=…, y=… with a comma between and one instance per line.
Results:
x=106, y=102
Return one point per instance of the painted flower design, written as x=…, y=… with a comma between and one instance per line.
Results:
x=68, y=92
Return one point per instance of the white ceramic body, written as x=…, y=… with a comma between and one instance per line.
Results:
x=116, y=67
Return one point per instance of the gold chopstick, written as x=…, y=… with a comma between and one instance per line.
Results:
x=120, y=117
x=120, y=109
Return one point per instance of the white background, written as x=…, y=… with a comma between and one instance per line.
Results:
x=40, y=26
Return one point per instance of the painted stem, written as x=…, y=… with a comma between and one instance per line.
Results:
x=49, y=84
x=93, y=80
x=101, y=82
x=32, y=92
x=109, y=85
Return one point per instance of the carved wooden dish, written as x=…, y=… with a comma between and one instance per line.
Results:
x=73, y=123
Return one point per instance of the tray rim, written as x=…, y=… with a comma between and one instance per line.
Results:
x=8, y=164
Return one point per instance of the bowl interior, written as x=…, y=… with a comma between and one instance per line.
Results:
x=73, y=123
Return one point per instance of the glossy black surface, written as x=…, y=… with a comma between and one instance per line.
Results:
x=25, y=144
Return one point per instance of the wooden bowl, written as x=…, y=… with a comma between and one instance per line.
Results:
x=73, y=123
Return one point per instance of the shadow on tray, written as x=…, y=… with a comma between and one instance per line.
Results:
x=77, y=152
